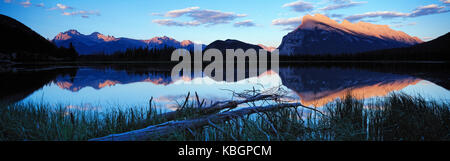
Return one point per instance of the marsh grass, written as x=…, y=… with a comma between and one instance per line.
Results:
x=41, y=122
x=397, y=117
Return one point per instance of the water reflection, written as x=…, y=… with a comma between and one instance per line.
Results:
x=100, y=78
x=319, y=86
x=17, y=85
x=127, y=90
x=94, y=88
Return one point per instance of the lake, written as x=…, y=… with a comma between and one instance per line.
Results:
x=102, y=86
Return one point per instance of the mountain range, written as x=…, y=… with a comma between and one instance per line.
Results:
x=319, y=34
x=97, y=43
x=316, y=35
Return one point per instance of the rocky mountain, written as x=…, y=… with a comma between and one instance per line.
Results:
x=319, y=34
x=98, y=43
x=20, y=43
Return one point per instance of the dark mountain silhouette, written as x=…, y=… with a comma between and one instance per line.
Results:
x=437, y=46
x=437, y=49
x=20, y=43
x=319, y=34
x=231, y=44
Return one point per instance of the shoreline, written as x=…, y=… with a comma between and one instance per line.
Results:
x=342, y=120
x=169, y=62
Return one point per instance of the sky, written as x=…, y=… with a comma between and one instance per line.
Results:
x=204, y=21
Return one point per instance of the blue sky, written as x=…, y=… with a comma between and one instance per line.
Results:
x=203, y=21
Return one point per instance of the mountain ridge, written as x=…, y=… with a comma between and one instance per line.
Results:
x=318, y=31
x=97, y=43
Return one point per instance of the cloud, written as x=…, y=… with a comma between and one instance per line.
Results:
x=427, y=38
x=287, y=21
x=445, y=1
x=170, y=22
x=339, y=4
x=40, y=5
x=427, y=10
x=299, y=6
x=26, y=3
x=246, y=23
x=214, y=17
x=199, y=16
x=382, y=14
x=419, y=11
x=339, y=1
x=402, y=25
x=181, y=12
x=335, y=15
x=63, y=8
x=289, y=28
x=157, y=14
x=60, y=6
x=82, y=13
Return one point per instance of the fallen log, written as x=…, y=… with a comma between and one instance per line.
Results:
x=218, y=106
x=164, y=129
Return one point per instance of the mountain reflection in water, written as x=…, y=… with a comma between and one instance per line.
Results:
x=95, y=88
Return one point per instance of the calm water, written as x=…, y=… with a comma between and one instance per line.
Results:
x=98, y=87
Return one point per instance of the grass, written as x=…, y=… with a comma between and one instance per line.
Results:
x=39, y=122
x=397, y=117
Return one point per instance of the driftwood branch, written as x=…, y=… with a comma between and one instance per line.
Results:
x=164, y=129
x=216, y=107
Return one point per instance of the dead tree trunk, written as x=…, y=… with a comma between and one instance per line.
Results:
x=164, y=129
x=216, y=107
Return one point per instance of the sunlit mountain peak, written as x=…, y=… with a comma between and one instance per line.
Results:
x=319, y=21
